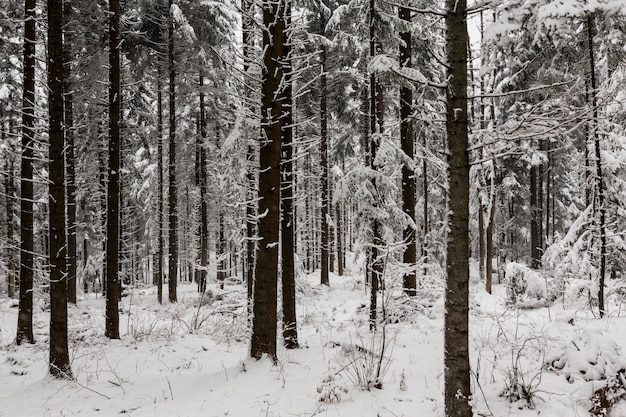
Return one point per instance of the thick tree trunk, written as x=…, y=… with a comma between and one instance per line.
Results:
x=457, y=390
x=409, y=258
x=266, y=276
x=27, y=238
x=71, y=176
x=112, y=330
x=59, y=365
x=173, y=185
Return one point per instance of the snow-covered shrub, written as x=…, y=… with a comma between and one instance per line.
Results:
x=590, y=356
x=331, y=390
x=365, y=363
x=525, y=285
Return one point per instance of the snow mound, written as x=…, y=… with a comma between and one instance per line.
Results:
x=590, y=356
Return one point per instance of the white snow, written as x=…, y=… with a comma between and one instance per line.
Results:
x=191, y=358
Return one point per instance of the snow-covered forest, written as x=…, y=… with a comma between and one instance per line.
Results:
x=313, y=207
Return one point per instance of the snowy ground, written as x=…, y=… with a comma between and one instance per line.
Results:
x=190, y=359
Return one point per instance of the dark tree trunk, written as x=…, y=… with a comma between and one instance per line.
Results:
x=247, y=40
x=266, y=276
x=409, y=258
x=457, y=390
x=490, y=227
x=290, y=331
x=112, y=330
x=221, y=249
x=599, y=175
x=71, y=176
x=324, y=157
x=9, y=197
x=204, y=223
x=340, y=246
x=160, y=244
x=27, y=238
x=59, y=365
x=535, y=217
x=376, y=130
x=173, y=187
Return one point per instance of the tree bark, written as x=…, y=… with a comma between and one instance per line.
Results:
x=290, y=330
x=71, y=175
x=59, y=365
x=599, y=175
x=266, y=276
x=204, y=222
x=457, y=390
x=9, y=197
x=112, y=330
x=173, y=185
x=27, y=238
x=325, y=236
x=160, y=243
x=409, y=258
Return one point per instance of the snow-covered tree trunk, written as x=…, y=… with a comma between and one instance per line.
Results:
x=264, y=306
x=27, y=238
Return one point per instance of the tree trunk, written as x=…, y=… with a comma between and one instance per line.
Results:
x=599, y=174
x=173, y=186
x=251, y=212
x=266, y=276
x=9, y=191
x=112, y=330
x=290, y=330
x=71, y=176
x=59, y=365
x=457, y=390
x=27, y=238
x=340, y=246
x=490, y=227
x=204, y=222
x=376, y=131
x=160, y=244
x=535, y=217
x=409, y=258
x=325, y=236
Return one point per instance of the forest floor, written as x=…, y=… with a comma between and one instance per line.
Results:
x=191, y=358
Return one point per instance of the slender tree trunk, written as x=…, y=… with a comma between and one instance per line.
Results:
x=457, y=390
x=325, y=236
x=290, y=331
x=71, y=176
x=204, y=222
x=266, y=276
x=535, y=218
x=27, y=238
x=59, y=365
x=9, y=190
x=340, y=246
x=160, y=244
x=409, y=257
x=173, y=185
x=112, y=330
x=599, y=174
x=490, y=227
x=376, y=131
x=251, y=212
